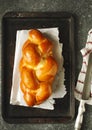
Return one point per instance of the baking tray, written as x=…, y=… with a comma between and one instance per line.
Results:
x=65, y=107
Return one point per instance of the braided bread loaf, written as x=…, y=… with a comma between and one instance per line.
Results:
x=37, y=68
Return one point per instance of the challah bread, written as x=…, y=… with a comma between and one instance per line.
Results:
x=38, y=68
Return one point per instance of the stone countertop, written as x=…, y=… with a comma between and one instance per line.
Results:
x=83, y=12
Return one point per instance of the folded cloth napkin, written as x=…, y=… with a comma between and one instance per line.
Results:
x=81, y=78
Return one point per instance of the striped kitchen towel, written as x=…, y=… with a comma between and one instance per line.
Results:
x=80, y=82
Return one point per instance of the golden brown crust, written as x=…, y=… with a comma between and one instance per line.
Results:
x=43, y=92
x=47, y=70
x=37, y=68
x=30, y=99
x=45, y=46
x=36, y=36
x=28, y=78
x=30, y=55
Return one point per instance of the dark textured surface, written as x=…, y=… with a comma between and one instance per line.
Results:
x=82, y=9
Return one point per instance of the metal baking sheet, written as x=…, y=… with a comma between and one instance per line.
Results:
x=65, y=107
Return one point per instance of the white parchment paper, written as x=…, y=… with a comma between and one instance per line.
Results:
x=59, y=89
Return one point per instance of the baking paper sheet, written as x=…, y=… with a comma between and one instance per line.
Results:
x=59, y=90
